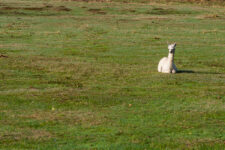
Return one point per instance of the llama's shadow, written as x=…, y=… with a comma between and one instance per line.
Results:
x=196, y=72
x=185, y=71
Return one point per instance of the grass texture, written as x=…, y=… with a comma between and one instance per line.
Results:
x=83, y=75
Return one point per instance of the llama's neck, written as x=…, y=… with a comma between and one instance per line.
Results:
x=171, y=58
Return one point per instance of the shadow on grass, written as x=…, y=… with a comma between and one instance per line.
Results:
x=185, y=71
x=196, y=72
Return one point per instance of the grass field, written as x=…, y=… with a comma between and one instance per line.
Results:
x=78, y=75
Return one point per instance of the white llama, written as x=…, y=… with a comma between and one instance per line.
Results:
x=166, y=64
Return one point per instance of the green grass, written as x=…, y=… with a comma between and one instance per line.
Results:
x=77, y=75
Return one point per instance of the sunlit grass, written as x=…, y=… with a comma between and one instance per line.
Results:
x=77, y=75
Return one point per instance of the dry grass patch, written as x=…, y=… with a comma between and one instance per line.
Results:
x=26, y=133
x=54, y=65
x=210, y=16
x=97, y=11
x=152, y=18
x=30, y=90
x=72, y=117
x=42, y=8
x=3, y=56
x=204, y=141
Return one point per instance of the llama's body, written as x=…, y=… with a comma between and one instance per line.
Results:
x=166, y=64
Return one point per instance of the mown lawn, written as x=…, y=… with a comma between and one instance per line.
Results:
x=78, y=75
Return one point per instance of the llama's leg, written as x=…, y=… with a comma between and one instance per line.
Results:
x=174, y=70
x=160, y=69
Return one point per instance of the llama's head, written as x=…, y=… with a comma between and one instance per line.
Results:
x=171, y=48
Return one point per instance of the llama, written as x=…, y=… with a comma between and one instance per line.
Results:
x=166, y=64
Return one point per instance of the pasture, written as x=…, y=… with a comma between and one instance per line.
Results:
x=83, y=75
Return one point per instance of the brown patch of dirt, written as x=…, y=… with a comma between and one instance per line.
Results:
x=46, y=7
x=12, y=13
x=96, y=11
x=127, y=20
x=4, y=56
x=34, y=8
x=211, y=16
x=156, y=38
x=103, y=1
x=10, y=8
x=132, y=10
x=128, y=10
x=167, y=11
x=62, y=8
